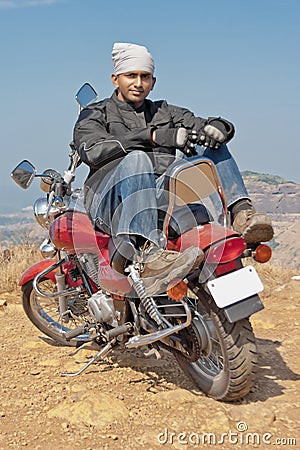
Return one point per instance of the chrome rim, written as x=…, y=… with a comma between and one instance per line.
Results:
x=213, y=363
x=46, y=312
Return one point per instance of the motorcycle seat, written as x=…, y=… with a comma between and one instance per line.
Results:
x=184, y=219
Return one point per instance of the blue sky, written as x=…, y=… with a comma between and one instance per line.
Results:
x=234, y=58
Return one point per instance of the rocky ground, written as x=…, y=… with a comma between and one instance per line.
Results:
x=130, y=401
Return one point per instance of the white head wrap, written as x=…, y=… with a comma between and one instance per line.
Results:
x=131, y=57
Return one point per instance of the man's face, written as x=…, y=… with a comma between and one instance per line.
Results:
x=133, y=87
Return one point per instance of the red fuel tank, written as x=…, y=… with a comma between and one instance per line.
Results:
x=73, y=232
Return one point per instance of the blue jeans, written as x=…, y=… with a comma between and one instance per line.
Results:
x=127, y=200
x=228, y=172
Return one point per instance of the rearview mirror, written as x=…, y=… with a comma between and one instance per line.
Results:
x=24, y=174
x=86, y=95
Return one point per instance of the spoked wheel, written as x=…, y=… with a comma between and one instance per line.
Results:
x=221, y=357
x=43, y=312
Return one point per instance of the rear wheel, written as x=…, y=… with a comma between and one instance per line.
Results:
x=43, y=312
x=222, y=356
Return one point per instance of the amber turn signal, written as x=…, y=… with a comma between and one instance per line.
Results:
x=177, y=289
x=263, y=253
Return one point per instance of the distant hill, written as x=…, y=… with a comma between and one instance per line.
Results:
x=280, y=199
x=264, y=177
x=20, y=228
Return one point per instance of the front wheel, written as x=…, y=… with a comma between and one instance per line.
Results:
x=224, y=368
x=43, y=312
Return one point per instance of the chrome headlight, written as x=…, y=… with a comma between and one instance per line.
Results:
x=40, y=208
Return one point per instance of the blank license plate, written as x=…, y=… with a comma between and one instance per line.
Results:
x=235, y=286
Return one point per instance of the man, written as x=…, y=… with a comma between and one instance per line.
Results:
x=128, y=142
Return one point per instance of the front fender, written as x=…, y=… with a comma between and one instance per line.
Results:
x=35, y=269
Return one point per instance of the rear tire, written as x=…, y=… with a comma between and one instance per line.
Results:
x=227, y=372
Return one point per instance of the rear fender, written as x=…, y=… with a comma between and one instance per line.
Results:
x=243, y=309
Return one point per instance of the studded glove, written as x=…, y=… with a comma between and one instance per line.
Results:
x=215, y=132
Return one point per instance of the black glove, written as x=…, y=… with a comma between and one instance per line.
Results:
x=171, y=137
x=190, y=146
x=215, y=132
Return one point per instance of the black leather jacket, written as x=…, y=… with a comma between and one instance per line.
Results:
x=107, y=130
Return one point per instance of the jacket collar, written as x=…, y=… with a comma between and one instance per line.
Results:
x=121, y=105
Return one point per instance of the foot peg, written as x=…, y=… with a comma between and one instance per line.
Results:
x=151, y=352
x=71, y=334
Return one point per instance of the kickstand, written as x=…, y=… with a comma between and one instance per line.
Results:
x=106, y=349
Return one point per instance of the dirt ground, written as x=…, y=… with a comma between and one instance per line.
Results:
x=130, y=401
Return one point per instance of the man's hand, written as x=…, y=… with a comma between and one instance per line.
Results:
x=171, y=137
x=216, y=131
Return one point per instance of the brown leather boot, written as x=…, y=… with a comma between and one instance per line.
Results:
x=253, y=226
x=164, y=265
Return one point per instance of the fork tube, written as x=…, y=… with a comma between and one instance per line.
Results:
x=61, y=287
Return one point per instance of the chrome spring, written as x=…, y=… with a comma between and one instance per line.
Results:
x=147, y=302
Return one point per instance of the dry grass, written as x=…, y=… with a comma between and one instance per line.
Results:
x=13, y=261
x=274, y=275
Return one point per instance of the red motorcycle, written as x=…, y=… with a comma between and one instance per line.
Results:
x=75, y=297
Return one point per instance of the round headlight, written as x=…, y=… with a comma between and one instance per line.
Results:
x=40, y=208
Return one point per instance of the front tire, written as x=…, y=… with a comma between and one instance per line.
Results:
x=226, y=371
x=43, y=312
